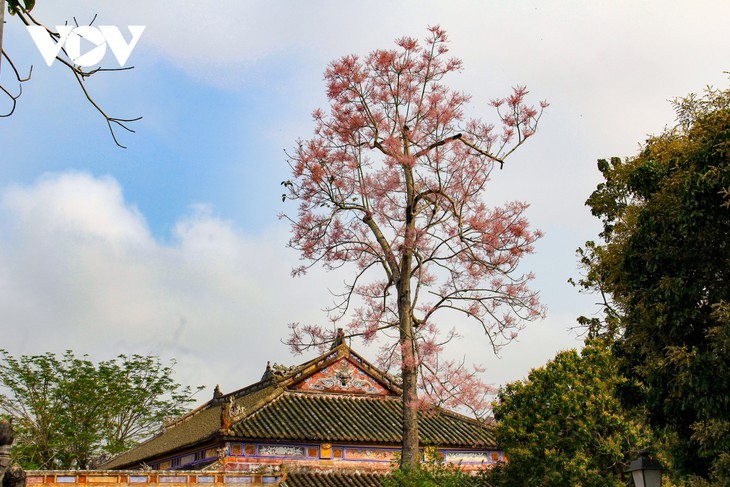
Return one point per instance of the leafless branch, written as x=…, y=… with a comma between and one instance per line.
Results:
x=113, y=123
x=20, y=79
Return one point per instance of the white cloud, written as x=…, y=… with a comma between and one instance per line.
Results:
x=77, y=206
x=79, y=270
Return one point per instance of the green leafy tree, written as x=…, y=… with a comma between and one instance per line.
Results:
x=68, y=412
x=564, y=424
x=664, y=268
x=436, y=473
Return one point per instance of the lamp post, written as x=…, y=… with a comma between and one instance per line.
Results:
x=646, y=471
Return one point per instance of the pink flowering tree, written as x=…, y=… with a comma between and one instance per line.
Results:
x=393, y=181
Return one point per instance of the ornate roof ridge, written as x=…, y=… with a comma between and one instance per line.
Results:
x=308, y=369
x=341, y=396
x=273, y=374
x=286, y=376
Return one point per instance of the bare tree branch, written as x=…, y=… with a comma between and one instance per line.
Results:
x=79, y=73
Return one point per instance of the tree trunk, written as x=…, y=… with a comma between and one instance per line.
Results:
x=410, y=456
x=2, y=23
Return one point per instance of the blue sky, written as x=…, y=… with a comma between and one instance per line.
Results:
x=172, y=246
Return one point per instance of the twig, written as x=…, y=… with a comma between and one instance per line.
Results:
x=80, y=75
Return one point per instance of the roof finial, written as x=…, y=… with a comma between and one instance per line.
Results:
x=268, y=373
x=217, y=392
x=339, y=339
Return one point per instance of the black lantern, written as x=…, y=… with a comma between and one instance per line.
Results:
x=646, y=471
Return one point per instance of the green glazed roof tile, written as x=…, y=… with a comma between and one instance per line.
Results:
x=364, y=419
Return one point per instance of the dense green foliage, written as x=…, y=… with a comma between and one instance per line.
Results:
x=68, y=412
x=436, y=474
x=664, y=266
x=564, y=424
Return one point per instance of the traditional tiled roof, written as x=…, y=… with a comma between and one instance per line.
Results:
x=338, y=396
x=332, y=479
x=345, y=478
x=196, y=428
x=364, y=419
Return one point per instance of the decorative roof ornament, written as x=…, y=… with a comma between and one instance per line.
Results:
x=344, y=374
x=235, y=410
x=268, y=373
x=230, y=413
x=339, y=339
x=281, y=371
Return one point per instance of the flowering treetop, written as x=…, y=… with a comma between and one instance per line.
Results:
x=393, y=180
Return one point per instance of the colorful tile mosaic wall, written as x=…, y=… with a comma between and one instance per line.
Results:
x=152, y=479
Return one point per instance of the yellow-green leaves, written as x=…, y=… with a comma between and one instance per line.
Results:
x=564, y=424
x=15, y=5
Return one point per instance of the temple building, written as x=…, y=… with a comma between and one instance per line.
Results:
x=330, y=416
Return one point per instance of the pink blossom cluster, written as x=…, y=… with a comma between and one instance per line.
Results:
x=393, y=176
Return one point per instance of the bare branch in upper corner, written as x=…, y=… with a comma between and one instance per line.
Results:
x=21, y=9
